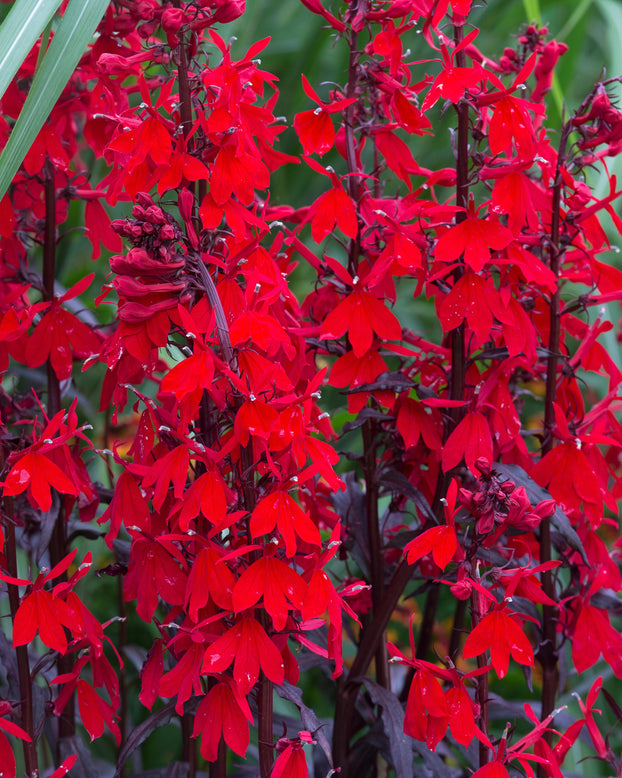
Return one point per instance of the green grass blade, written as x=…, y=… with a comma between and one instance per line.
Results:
x=580, y=10
x=74, y=32
x=532, y=11
x=19, y=32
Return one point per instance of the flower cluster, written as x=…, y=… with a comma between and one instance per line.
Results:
x=252, y=525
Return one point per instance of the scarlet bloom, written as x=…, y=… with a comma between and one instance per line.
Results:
x=95, y=712
x=315, y=128
x=427, y=714
x=7, y=758
x=41, y=611
x=247, y=646
x=442, y=540
x=474, y=238
x=291, y=762
x=452, y=82
x=331, y=208
x=281, y=587
x=471, y=439
x=501, y=633
x=223, y=712
x=152, y=571
x=361, y=315
x=36, y=473
x=511, y=123
x=281, y=510
x=593, y=636
x=471, y=298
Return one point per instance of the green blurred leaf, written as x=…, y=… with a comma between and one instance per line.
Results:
x=19, y=32
x=532, y=11
x=74, y=32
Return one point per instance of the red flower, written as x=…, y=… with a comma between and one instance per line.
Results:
x=152, y=571
x=471, y=298
x=315, y=128
x=361, y=315
x=42, y=611
x=502, y=634
x=291, y=762
x=280, y=586
x=249, y=648
x=332, y=207
x=452, y=82
x=593, y=635
x=474, y=238
x=60, y=335
x=427, y=714
x=281, y=510
x=225, y=713
x=36, y=473
x=470, y=439
x=7, y=758
x=95, y=712
x=511, y=123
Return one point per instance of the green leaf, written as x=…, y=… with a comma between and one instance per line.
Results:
x=532, y=11
x=74, y=32
x=19, y=32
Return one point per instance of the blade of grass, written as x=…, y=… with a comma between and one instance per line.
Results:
x=532, y=11
x=574, y=19
x=19, y=32
x=74, y=32
x=612, y=55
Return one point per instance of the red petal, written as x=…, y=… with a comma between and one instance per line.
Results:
x=7, y=760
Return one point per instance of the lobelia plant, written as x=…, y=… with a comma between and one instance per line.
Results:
x=465, y=499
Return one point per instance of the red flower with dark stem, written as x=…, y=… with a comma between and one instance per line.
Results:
x=315, y=128
x=474, y=238
x=247, y=646
x=500, y=632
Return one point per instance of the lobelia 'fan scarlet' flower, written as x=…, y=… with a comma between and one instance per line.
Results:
x=430, y=711
x=281, y=588
x=33, y=471
x=331, y=208
x=7, y=757
x=594, y=635
x=470, y=440
x=442, y=540
x=60, y=335
x=322, y=597
x=500, y=632
x=315, y=128
x=153, y=572
x=474, y=238
x=452, y=82
x=360, y=314
x=471, y=299
x=41, y=610
x=281, y=510
x=95, y=712
x=248, y=647
x=291, y=762
x=222, y=713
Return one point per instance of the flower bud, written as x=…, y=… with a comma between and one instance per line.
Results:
x=483, y=465
x=172, y=19
x=461, y=590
